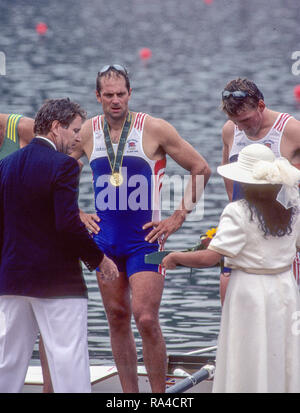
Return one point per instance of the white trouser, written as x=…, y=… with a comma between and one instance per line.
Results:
x=62, y=323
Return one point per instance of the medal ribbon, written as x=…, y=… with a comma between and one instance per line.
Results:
x=116, y=160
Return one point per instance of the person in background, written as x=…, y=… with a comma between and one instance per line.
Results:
x=16, y=131
x=42, y=239
x=126, y=150
x=251, y=121
x=259, y=340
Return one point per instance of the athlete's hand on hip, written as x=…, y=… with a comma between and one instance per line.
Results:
x=163, y=229
x=108, y=270
x=90, y=221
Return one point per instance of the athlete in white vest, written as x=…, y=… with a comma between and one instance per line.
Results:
x=249, y=121
x=272, y=139
x=126, y=150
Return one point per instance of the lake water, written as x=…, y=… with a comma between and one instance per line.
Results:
x=196, y=49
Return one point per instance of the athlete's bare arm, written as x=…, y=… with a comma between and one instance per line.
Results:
x=227, y=137
x=161, y=138
x=25, y=131
x=290, y=142
x=85, y=148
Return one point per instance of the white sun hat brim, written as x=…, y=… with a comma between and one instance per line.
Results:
x=234, y=172
x=242, y=170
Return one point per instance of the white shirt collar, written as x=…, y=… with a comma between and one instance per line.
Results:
x=48, y=140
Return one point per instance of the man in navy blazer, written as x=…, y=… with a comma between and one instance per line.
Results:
x=42, y=241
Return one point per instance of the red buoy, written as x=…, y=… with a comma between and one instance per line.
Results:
x=297, y=93
x=145, y=53
x=41, y=28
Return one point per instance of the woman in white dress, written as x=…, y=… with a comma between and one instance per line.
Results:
x=259, y=340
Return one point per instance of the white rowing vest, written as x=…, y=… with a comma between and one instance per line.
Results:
x=272, y=138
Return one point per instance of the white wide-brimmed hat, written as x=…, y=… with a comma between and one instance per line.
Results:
x=257, y=164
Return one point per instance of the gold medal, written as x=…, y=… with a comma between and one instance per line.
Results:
x=116, y=179
x=115, y=160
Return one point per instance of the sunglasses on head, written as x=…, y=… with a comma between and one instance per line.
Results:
x=119, y=68
x=236, y=94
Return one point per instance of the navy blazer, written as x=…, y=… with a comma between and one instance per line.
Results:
x=42, y=238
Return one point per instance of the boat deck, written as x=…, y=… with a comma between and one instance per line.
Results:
x=105, y=379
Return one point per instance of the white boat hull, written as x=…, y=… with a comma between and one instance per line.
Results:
x=105, y=379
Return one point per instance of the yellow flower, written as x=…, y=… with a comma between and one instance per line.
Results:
x=211, y=232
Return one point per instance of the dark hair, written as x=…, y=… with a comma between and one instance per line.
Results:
x=233, y=106
x=110, y=72
x=273, y=218
x=62, y=110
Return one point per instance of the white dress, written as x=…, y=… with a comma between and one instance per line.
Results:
x=259, y=340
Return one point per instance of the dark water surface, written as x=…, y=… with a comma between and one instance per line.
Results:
x=196, y=49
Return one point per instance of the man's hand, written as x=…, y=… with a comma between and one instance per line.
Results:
x=108, y=270
x=163, y=229
x=90, y=221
